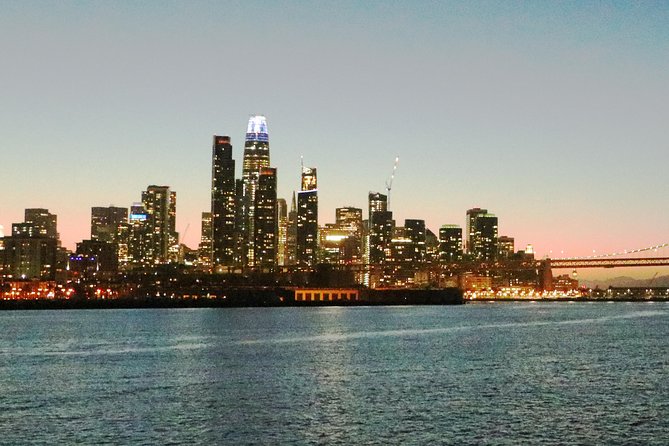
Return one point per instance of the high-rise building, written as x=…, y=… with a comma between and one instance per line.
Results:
x=471, y=228
x=223, y=203
x=240, y=221
x=380, y=229
x=485, y=243
x=138, y=236
x=160, y=206
x=282, y=232
x=377, y=202
x=450, y=243
x=265, y=223
x=256, y=157
x=400, y=258
x=505, y=247
x=105, y=223
x=291, y=234
x=109, y=225
x=205, y=248
x=415, y=231
x=350, y=219
x=29, y=257
x=43, y=221
x=307, y=219
x=31, y=252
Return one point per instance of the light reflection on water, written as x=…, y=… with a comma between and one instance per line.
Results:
x=507, y=373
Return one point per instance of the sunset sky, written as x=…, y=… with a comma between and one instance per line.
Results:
x=552, y=115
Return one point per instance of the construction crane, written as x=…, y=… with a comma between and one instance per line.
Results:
x=389, y=181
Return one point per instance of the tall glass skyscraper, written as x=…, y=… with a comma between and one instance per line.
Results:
x=307, y=218
x=222, y=203
x=160, y=204
x=256, y=157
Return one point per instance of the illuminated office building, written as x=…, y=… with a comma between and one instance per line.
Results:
x=307, y=218
x=265, y=224
x=377, y=202
x=282, y=231
x=31, y=251
x=290, y=256
x=505, y=247
x=205, y=248
x=105, y=223
x=138, y=236
x=256, y=157
x=400, y=260
x=160, y=206
x=471, y=228
x=350, y=220
x=29, y=257
x=380, y=228
x=450, y=243
x=485, y=242
x=223, y=203
x=415, y=231
x=44, y=222
x=109, y=225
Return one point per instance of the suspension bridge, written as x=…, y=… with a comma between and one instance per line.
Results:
x=626, y=258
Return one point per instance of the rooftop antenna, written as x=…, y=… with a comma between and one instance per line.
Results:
x=389, y=181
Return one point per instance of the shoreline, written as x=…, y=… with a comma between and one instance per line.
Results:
x=176, y=303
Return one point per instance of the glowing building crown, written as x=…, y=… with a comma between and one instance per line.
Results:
x=257, y=129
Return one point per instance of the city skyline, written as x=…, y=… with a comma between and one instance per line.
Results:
x=530, y=126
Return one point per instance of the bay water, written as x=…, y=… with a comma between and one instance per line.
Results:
x=484, y=373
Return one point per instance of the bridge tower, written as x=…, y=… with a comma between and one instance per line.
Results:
x=545, y=275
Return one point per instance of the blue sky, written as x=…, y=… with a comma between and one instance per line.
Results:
x=550, y=114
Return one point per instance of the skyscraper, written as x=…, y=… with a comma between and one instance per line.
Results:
x=377, y=203
x=291, y=234
x=256, y=157
x=160, y=206
x=380, y=229
x=450, y=243
x=43, y=221
x=31, y=251
x=415, y=231
x=471, y=228
x=485, y=243
x=138, y=236
x=108, y=226
x=205, y=248
x=505, y=247
x=265, y=224
x=105, y=223
x=282, y=233
x=307, y=218
x=223, y=203
x=350, y=219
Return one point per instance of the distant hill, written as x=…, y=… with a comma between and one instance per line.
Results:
x=624, y=281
